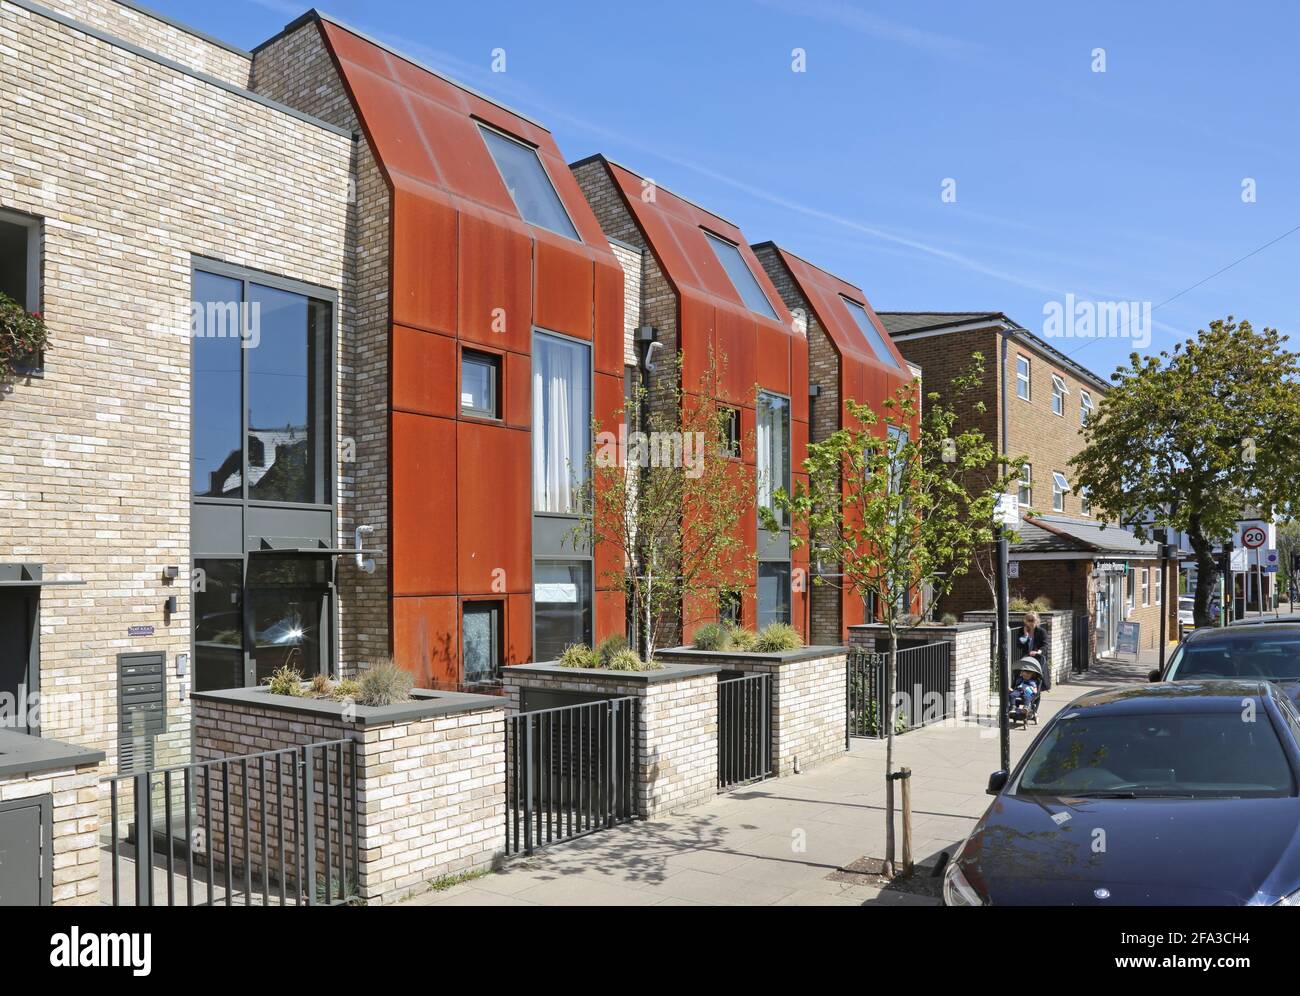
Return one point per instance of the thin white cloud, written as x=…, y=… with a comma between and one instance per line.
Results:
x=846, y=15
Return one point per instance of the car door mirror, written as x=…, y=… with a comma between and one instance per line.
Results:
x=997, y=782
x=1154, y=675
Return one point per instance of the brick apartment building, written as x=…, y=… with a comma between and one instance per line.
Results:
x=300, y=300
x=1036, y=399
x=850, y=357
x=702, y=290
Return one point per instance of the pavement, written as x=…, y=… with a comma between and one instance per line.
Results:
x=776, y=842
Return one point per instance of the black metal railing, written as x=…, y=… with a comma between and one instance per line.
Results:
x=570, y=771
x=276, y=828
x=922, y=689
x=744, y=728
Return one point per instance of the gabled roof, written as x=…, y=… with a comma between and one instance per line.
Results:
x=823, y=291
x=1059, y=534
x=924, y=321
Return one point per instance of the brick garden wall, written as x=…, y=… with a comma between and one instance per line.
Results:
x=970, y=664
x=431, y=791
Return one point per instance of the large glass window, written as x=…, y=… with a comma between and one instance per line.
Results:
x=561, y=606
x=286, y=392
x=216, y=458
x=1059, y=487
x=742, y=278
x=773, y=439
x=218, y=624
x=869, y=332
x=481, y=641
x=773, y=593
x=561, y=422
x=270, y=348
x=530, y=188
x=288, y=613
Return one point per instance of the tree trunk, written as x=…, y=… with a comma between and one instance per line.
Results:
x=1205, y=569
x=649, y=642
x=887, y=871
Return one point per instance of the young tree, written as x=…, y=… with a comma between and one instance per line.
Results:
x=1192, y=438
x=666, y=493
x=891, y=499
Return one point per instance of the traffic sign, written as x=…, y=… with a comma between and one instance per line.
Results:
x=1254, y=537
x=1007, y=511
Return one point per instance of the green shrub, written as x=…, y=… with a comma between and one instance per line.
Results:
x=286, y=680
x=579, y=655
x=947, y=619
x=713, y=636
x=346, y=689
x=610, y=646
x=321, y=686
x=743, y=639
x=625, y=660
x=777, y=638
x=384, y=683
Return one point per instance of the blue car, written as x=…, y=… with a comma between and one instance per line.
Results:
x=1169, y=794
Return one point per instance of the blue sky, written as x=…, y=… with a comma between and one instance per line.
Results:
x=1123, y=185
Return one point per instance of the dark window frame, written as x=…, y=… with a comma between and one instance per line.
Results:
x=492, y=361
x=33, y=278
x=733, y=441
x=774, y=565
x=717, y=243
x=486, y=129
x=496, y=609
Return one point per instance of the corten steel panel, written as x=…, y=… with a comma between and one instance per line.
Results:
x=495, y=281
x=611, y=614
x=565, y=288
x=423, y=505
x=774, y=366
x=516, y=390
x=424, y=372
x=736, y=359
x=608, y=352
x=423, y=257
x=608, y=400
x=494, y=518
x=426, y=639
x=697, y=339
x=519, y=629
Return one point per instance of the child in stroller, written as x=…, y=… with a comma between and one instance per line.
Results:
x=1026, y=691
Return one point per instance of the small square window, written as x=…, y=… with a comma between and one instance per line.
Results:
x=729, y=607
x=480, y=375
x=1022, y=377
x=481, y=642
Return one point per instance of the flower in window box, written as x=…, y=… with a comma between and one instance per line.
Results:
x=23, y=336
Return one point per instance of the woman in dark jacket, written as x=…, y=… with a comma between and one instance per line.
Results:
x=1031, y=641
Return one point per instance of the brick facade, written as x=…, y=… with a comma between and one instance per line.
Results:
x=970, y=663
x=116, y=154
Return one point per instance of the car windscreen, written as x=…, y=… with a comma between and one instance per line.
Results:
x=1180, y=755
x=1241, y=653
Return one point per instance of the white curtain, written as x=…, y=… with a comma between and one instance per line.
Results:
x=772, y=445
x=561, y=422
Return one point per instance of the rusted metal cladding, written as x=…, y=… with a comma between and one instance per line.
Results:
x=468, y=272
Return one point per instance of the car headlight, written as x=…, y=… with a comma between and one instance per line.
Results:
x=956, y=890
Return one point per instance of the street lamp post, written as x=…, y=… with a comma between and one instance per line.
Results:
x=1004, y=640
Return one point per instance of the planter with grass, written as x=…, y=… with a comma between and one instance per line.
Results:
x=676, y=714
x=807, y=686
x=430, y=766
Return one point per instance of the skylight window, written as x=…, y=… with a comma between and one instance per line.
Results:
x=742, y=278
x=530, y=188
x=869, y=332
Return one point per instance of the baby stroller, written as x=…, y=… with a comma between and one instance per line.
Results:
x=1023, y=712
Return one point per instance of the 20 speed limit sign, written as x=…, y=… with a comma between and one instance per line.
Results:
x=1254, y=537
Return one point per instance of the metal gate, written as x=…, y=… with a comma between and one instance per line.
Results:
x=272, y=829
x=922, y=689
x=570, y=771
x=744, y=728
